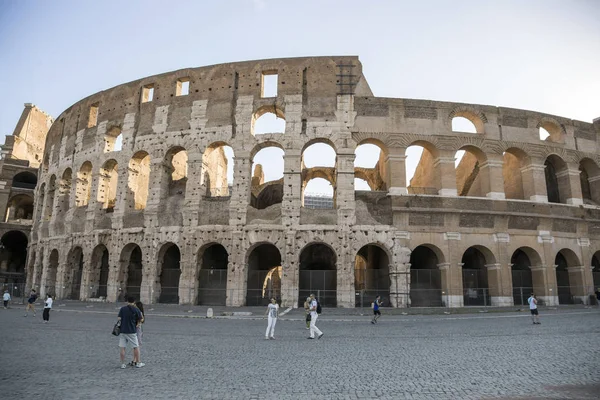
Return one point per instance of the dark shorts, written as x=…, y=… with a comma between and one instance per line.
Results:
x=534, y=312
x=376, y=312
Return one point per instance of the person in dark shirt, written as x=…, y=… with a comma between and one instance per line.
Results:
x=130, y=317
x=31, y=302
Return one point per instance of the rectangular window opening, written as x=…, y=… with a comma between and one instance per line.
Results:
x=93, y=116
x=147, y=93
x=269, y=84
x=183, y=87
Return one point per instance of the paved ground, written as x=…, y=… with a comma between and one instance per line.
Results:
x=417, y=357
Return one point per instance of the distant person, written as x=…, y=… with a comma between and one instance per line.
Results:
x=31, y=302
x=138, y=331
x=534, y=310
x=47, y=308
x=598, y=297
x=129, y=317
x=313, y=318
x=307, y=312
x=272, y=314
x=6, y=299
x=376, y=312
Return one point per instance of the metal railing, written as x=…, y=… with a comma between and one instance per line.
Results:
x=476, y=297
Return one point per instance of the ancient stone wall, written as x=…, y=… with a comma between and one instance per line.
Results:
x=170, y=227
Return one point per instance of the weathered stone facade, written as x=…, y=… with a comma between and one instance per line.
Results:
x=158, y=218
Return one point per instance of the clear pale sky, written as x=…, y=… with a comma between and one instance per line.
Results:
x=534, y=55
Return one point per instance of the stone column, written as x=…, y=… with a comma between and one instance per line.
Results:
x=93, y=204
x=500, y=285
x=193, y=193
x=292, y=189
x=62, y=285
x=289, y=279
x=240, y=196
x=492, y=179
x=345, y=273
x=150, y=290
x=534, y=182
x=396, y=172
x=158, y=190
x=445, y=174
x=118, y=270
x=188, y=280
x=569, y=185
x=237, y=271
x=344, y=188
x=452, y=288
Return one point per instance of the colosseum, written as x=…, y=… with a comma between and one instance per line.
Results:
x=133, y=195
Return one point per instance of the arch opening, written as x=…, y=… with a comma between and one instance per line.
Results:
x=99, y=272
x=475, y=278
x=107, y=185
x=64, y=191
x=318, y=274
x=370, y=168
x=50, y=284
x=217, y=170
x=131, y=257
x=267, y=177
x=212, y=279
x=463, y=125
x=24, y=180
x=264, y=275
x=371, y=275
x=176, y=169
x=556, y=187
x=268, y=119
x=170, y=272
x=138, y=180
x=113, y=140
x=319, y=176
x=13, y=257
x=84, y=185
x=566, y=280
x=74, y=273
x=19, y=209
x=469, y=180
x=420, y=169
x=513, y=161
x=589, y=176
x=522, y=277
x=425, y=278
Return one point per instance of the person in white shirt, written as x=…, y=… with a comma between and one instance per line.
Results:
x=533, y=308
x=313, y=319
x=47, y=308
x=273, y=313
x=6, y=299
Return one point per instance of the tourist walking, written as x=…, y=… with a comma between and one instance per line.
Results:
x=47, y=308
x=272, y=314
x=129, y=319
x=313, y=319
x=138, y=331
x=376, y=312
x=307, y=312
x=31, y=302
x=534, y=310
x=6, y=299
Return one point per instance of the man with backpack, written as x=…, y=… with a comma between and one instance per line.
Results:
x=315, y=309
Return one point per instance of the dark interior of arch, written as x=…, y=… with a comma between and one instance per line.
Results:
x=596, y=272
x=425, y=278
x=77, y=273
x=169, y=276
x=25, y=180
x=270, y=195
x=262, y=260
x=103, y=278
x=371, y=275
x=52, y=271
x=475, y=280
x=14, y=255
x=551, y=183
x=134, y=273
x=318, y=274
x=522, y=278
x=562, y=280
x=22, y=207
x=212, y=282
x=586, y=191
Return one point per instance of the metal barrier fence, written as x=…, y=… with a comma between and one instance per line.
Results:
x=476, y=297
x=16, y=291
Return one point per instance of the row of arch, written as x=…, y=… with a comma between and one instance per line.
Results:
x=472, y=171
x=317, y=274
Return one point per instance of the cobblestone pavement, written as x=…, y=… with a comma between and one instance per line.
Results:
x=414, y=357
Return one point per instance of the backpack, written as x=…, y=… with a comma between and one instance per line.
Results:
x=319, y=309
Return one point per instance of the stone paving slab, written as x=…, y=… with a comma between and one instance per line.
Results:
x=415, y=357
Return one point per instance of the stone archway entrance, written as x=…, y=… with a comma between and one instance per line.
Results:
x=132, y=258
x=212, y=279
x=371, y=275
x=74, y=273
x=475, y=278
x=318, y=274
x=50, y=284
x=425, y=278
x=563, y=281
x=13, y=256
x=99, y=272
x=264, y=275
x=522, y=278
x=169, y=274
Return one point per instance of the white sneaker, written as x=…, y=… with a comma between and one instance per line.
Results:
x=123, y=366
x=139, y=365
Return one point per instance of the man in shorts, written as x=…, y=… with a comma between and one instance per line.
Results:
x=376, y=312
x=533, y=308
x=31, y=302
x=130, y=317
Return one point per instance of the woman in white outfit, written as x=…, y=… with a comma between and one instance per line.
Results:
x=272, y=312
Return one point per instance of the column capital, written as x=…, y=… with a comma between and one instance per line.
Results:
x=533, y=168
x=495, y=266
